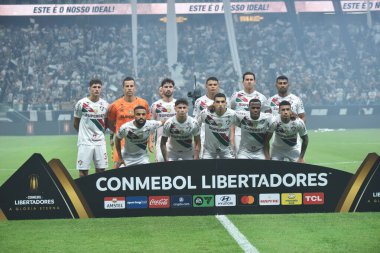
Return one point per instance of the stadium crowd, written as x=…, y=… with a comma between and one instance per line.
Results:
x=48, y=64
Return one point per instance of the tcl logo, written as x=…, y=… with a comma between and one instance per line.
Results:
x=159, y=202
x=313, y=198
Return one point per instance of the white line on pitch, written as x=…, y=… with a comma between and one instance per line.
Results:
x=339, y=163
x=236, y=234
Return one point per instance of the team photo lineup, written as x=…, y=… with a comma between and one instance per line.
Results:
x=246, y=125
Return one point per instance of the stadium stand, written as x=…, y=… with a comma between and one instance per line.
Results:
x=46, y=62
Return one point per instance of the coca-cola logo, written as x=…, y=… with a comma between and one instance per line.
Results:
x=159, y=202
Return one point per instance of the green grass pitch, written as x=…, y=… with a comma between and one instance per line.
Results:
x=335, y=232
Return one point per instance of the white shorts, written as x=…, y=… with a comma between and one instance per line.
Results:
x=222, y=154
x=245, y=154
x=280, y=154
x=86, y=154
x=129, y=161
x=177, y=156
x=159, y=157
x=202, y=141
x=237, y=138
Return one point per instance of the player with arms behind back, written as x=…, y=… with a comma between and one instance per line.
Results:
x=163, y=109
x=90, y=121
x=240, y=99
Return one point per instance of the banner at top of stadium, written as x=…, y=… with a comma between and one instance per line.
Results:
x=183, y=8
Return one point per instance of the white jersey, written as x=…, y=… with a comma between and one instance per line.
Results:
x=252, y=131
x=240, y=100
x=286, y=134
x=180, y=134
x=295, y=102
x=136, y=138
x=92, y=121
x=161, y=110
x=217, y=129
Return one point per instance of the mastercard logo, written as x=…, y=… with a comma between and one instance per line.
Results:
x=247, y=200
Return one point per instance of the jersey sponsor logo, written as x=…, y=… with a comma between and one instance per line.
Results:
x=203, y=200
x=221, y=137
x=291, y=199
x=313, y=198
x=114, y=203
x=202, y=105
x=225, y=200
x=246, y=200
x=159, y=201
x=269, y=199
x=241, y=98
x=181, y=201
x=162, y=109
x=137, y=202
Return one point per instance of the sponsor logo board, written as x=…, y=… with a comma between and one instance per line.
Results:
x=291, y=199
x=269, y=199
x=114, y=203
x=181, y=201
x=225, y=200
x=137, y=202
x=159, y=201
x=247, y=200
x=203, y=200
x=313, y=198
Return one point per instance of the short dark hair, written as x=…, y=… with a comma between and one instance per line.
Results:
x=284, y=102
x=181, y=101
x=212, y=78
x=167, y=80
x=254, y=100
x=139, y=107
x=128, y=78
x=95, y=81
x=249, y=73
x=220, y=95
x=282, y=78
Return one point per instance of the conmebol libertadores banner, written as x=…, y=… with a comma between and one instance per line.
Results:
x=40, y=190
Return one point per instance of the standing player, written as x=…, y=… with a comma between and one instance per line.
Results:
x=122, y=111
x=282, y=85
x=219, y=129
x=254, y=131
x=136, y=134
x=90, y=121
x=240, y=99
x=180, y=130
x=212, y=88
x=286, y=132
x=163, y=109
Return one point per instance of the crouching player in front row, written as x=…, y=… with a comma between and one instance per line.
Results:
x=136, y=134
x=254, y=130
x=180, y=131
x=285, y=145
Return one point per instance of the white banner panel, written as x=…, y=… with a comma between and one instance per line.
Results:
x=314, y=6
x=362, y=5
x=144, y=9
